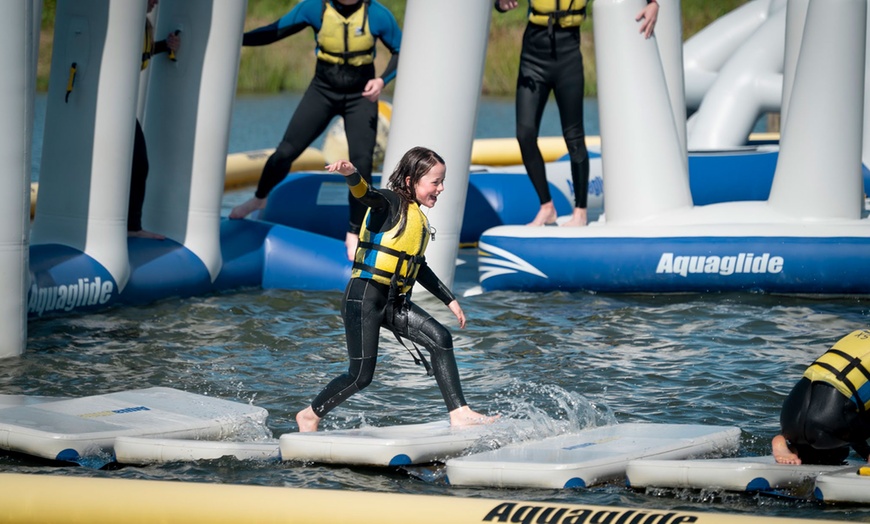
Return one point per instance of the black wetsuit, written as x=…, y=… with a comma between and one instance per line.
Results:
x=551, y=61
x=368, y=305
x=335, y=90
x=821, y=423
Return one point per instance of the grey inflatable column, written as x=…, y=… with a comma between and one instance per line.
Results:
x=16, y=105
x=435, y=105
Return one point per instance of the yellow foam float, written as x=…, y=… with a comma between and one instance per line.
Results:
x=29, y=498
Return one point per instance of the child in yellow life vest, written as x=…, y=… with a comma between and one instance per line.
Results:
x=388, y=261
x=826, y=412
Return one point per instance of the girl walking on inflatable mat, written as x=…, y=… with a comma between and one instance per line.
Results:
x=388, y=261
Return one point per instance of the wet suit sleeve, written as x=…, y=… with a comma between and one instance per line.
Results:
x=431, y=283
x=307, y=13
x=366, y=194
x=384, y=26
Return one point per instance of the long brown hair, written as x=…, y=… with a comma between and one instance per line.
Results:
x=413, y=166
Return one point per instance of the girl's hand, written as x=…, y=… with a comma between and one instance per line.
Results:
x=342, y=166
x=460, y=315
x=373, y=89
x=648, y=14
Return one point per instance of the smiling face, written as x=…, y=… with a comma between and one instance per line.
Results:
x=430, y=186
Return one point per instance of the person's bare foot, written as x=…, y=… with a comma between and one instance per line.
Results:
x=546, y=215
x=243, y=210
x=351, y=241
x=578, y=218
x=782, y=453
x=465, y=416
x=145, y=234
x=307, y=420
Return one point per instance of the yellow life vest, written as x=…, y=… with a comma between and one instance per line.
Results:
x=565, y=13
x=147, y=45
x=385, y=256
x=845, y=366
x=345, y=40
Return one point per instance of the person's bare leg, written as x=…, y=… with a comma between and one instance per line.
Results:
x=145, y=234
x=307, y=420
x=243, y=210
x=546, y=215
x=782, y=453
x=578, y=218
x=465, y=416
x=351, y=240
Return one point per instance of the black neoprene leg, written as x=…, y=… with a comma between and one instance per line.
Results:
x=312, y=116
x=363, y=313
x=361, y=127
x=422, y=329
x=138, y=176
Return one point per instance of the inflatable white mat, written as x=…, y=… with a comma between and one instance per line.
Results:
x=72, y=428
x=846, y=485
x=587, y=457
x=732, y=474
x=144, y=450
x=399, y=445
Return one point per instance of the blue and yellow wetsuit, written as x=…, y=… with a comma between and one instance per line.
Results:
x=345, y=39
x=550, y=61
x=385, y=268
x=827, y=410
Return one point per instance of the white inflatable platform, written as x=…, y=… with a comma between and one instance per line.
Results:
x=588, y=457
x=731, y=474
x=399, y=445
x=849, y=485
x=143, y=450
x=73, y=428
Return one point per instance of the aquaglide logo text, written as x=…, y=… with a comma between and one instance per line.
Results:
x=84, y=292
x=684, y=265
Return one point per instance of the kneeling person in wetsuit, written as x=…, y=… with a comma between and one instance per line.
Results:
x=826, y=412
x=388, y=261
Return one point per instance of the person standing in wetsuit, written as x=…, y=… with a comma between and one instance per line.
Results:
x=389, y=260
x=828, y=410
x=344, y=84
x=139, y=170
x=551, y=61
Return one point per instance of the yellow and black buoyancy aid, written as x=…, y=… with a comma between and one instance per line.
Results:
x=844, y=366
x=345, y=40
x=147, y=45
x=386, y=258
x=564, y=13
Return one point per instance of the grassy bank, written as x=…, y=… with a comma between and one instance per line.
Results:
x=289, y=64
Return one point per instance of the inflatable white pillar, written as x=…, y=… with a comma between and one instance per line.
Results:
x=84, y=177
x=669, y=35
x=17, y=86
x=748, y=85
x=645, y=171
x=795, y=18
x=187, y=123
x=708, y=50
x=435, y=106
x=818, y=174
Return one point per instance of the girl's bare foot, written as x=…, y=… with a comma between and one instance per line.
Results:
x=145, y=234
x=546, y=215
x=782, y=453
x=578, y=218
x=465, y=416
x=307, y=420
x=243, y=210
x=351, y=240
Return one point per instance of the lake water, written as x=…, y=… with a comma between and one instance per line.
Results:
x=583, y=359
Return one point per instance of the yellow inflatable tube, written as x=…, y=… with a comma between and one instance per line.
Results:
x=26, y=498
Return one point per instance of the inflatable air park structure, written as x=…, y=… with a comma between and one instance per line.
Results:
x=76, y=256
